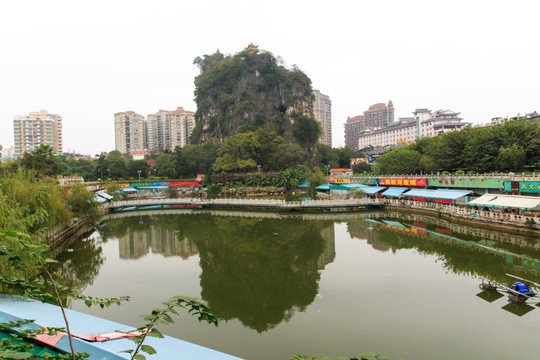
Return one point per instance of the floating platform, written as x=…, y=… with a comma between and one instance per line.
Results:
x=18, y=308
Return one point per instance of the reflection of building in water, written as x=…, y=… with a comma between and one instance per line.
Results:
x=162, y=241
x=133, y=246
x=329, y=253
x=359, y=230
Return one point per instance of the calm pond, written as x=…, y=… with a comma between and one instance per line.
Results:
x=402, y=285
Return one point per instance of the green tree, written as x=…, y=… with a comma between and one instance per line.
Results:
x=315, y=178
x=134, y=166
x=361, y=167
x=399, y=161
x=511, y=158
x=192, y=160
x=307, y=130
x=327, y=156
x=238, y=153
x=42, y=160
x=115, y=164
x=291, y=178
x=82, y=203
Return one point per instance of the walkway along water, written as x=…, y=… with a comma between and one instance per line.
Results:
x=460, y=212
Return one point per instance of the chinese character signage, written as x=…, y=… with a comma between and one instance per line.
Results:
x=373, y=158
x=415, y=182
x=522, y=186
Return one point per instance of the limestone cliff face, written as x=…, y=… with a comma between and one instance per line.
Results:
x=249, y=90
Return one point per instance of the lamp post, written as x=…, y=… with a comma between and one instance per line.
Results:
x=259, y=168
x=327, y=169
x=139, y=171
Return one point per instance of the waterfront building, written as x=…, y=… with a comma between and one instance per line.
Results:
x=129, y=132
x=37, y=128
x=322, y=112
x=353, y=127
x=406, y=130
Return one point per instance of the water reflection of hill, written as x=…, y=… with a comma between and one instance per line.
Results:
x=259, y=271
x=461, y=253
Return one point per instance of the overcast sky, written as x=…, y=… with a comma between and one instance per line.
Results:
x=86, y=60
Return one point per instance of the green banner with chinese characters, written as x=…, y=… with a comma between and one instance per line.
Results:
x=466, y=183
x=522, y=186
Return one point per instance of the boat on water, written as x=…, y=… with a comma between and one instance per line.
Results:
x=97, y=332
x=518, y=291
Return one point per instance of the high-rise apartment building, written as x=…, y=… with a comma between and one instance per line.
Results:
x=353, y=127
x=322, y=112
x=377, y=116
x=36, y=128
x=163, y=130
x=169, y=129
x=129, y=132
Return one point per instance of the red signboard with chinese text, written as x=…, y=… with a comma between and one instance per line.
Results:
x=184, y=184
x=415, y=182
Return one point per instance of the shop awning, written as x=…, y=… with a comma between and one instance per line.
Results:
x=355, y=186
x=394, y=191
x=153, y=187
x=370, y=190
x=103, y=194
x=437, y=194
x=99, y=199
x=129, y=189
x=331, y=187
x=506, y=201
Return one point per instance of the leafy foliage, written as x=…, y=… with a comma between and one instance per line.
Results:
x=163, y=317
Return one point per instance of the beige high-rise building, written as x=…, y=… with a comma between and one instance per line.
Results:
x=129, y=132
x=169, y=129
x=353, y=127
x=322, y=112
x=36, y=128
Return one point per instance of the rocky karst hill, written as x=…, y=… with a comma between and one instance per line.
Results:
x=249, y=90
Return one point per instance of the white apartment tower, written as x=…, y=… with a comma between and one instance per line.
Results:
x=169, y=129
x=129, y=132
x=322, y=112
x=36, y=128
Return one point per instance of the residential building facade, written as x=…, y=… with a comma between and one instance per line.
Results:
x=322, y=112
x=406, y=130
x=37, y=128
x=169, y=129
x=130, y=132
x=162, y=131
x=353, y=127
x=377, y=116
